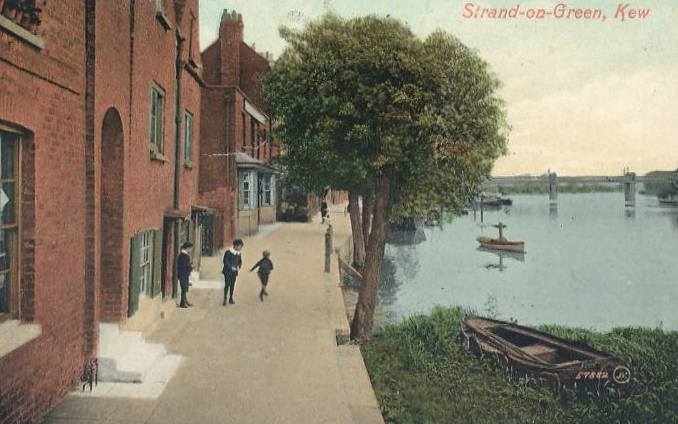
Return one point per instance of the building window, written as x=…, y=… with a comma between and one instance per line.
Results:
x=245, y=191
x=188, y=137
x=9, y=282
x=267, y=190
x=157, y=120
x=146, y=263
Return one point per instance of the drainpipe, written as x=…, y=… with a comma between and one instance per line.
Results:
x=177, y=157
x=91, y=321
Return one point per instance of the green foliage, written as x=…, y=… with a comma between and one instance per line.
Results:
x=421, y=374
x=361, y=97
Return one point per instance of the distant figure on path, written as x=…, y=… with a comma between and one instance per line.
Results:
x=232, y=264
x=323, y=210
x=265, y=267
x=184, y=269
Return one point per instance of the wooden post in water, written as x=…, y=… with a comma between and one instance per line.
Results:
x=482, y=200
x=553, y=187
x=630, y=189
x=328, y=247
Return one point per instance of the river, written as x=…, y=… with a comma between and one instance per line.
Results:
x=589, y=263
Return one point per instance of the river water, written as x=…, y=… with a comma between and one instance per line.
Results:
x=590, y=263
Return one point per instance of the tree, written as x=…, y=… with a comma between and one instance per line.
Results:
x=365, y=103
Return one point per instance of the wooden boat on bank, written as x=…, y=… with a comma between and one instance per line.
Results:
x=541, y=355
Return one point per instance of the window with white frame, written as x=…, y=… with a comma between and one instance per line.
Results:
x=188, y=137
x=246, y=194
x=146, y=263
x=267, y=190
x=157, y=124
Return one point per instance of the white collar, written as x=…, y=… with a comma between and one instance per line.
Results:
x=233, y=251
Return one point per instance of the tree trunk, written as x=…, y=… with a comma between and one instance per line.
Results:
x=356, y=229
x=361, y=327
x=368, y=208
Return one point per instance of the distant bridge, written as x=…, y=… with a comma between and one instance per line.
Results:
x=628, y=180
x=666, y=177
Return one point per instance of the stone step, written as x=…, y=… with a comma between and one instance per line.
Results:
x=125, y=356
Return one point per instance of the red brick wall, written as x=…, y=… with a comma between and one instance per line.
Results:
x=230, y=39
x=112, y=93
x=211, y=62
x=190, y=101
x=43, y=92
x=252, y=69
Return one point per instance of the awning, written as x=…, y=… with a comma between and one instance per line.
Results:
x=244, y=161
x=255, y=113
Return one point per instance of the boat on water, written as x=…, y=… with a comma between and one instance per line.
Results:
x=540, y=355
x=493, y=201
x=501, y=243
x=668, y=200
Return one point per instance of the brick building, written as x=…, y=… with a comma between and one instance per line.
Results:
x=236, y=179
x=99, y=118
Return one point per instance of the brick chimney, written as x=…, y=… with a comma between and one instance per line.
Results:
x=230, y=38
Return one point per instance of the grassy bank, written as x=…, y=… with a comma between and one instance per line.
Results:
x=542, y=188
x=420, y=374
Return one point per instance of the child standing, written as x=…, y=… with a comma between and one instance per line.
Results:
x=265, y=267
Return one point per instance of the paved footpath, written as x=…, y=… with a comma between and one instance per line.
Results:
x=254, y=362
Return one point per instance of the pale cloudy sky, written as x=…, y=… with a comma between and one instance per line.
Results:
x=583, y=97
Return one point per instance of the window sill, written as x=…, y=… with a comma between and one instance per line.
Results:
x=13, y=335
x=163, y=20
x=159, y=157
x=21, y=33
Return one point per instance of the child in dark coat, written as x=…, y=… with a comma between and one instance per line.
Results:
x=265, y=267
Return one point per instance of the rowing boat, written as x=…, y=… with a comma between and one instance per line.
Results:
x=542, y=355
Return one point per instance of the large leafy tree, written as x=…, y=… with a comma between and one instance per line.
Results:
x=364, y=105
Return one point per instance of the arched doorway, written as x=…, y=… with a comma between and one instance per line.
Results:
x=112, y=189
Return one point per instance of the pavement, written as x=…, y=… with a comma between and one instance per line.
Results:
x=253, y=362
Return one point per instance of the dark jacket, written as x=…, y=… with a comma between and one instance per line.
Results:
x=231, y=260
x=265, y=266
x=184, y=266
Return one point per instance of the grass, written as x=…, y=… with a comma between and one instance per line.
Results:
x=421, y=374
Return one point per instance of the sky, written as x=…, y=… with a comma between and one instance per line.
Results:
x=583, y=97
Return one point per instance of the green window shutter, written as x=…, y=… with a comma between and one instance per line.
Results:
x=157, y=262
x=134, y=265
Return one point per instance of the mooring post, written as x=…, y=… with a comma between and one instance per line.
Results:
x=630, y=189
x=553, y=187
x=482, y=200
x=328, y=247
